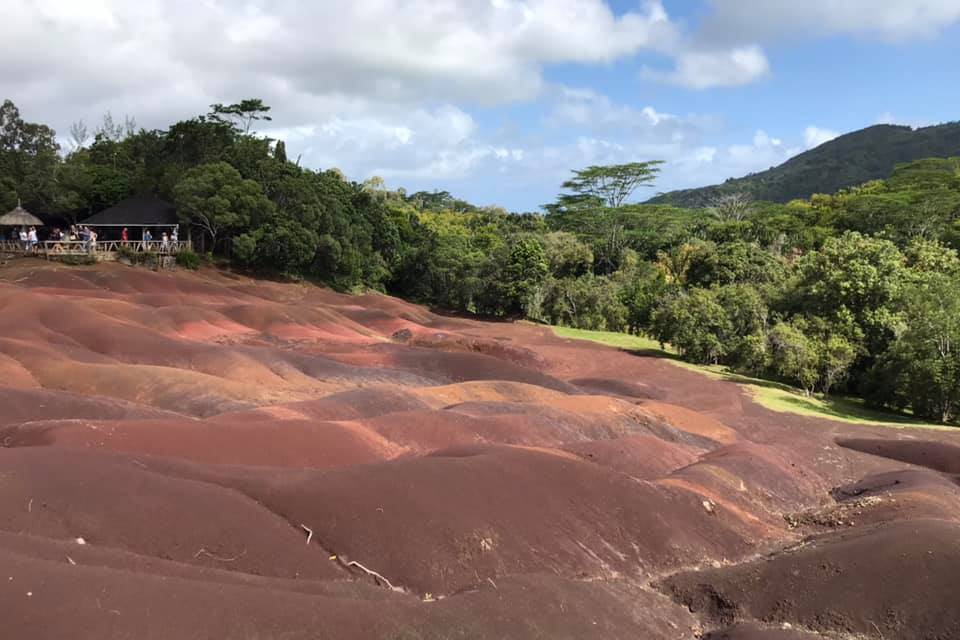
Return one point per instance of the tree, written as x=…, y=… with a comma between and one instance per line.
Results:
x=280, y=151
x=526, y=269
x=794, y=357
x=853, y=282
x=695, y=324
x=921, y=370
x=280, y=246
x=28, y=157
x=216, y=198
x=114, y=131
x=568, y=257
x=730, y=207
x=732, y=262
x=641, y=294
x=588, y=302
x=241, y=115
x=611, y=184
x=79, y=134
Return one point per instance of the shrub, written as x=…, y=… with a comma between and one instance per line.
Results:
x=188, y=259
x=127, y=252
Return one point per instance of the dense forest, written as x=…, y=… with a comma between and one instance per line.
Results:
x=854, y=292
x=868, y=154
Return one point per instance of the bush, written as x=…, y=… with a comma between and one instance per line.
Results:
x=188, y=259
x=127, y=252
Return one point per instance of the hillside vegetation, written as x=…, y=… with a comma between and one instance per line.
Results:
x=855, y=293
x=851, y=159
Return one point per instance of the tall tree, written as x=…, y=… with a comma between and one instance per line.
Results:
x=921, y=370
x=28, y=157
x=241, y=114
x=611, y=184
x=216, y=198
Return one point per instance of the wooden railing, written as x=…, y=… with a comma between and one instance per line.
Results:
x=52, y=248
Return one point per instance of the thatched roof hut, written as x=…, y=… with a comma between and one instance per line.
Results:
x=20, y=217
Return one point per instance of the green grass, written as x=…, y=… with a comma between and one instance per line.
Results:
x=773, y=395
x=619, y=340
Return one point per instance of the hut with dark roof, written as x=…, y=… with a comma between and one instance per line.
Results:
x=138, y=212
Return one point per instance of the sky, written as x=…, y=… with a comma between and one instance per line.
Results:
x=497, y=101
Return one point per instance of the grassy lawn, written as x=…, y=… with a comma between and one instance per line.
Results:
x=775, y=396
x=620, y=340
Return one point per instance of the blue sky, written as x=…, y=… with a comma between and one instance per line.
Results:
x=497, y=100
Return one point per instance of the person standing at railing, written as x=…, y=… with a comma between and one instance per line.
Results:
x=125, y=235
x=32, y=239
x=147, y=239
x=164, y=242
x=174, y=236
x=24, y=238
x=92, y=240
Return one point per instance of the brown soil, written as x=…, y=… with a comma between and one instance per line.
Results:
x=170, y=442
x=896, y=580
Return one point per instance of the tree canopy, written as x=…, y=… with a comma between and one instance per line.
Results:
x=853, y=292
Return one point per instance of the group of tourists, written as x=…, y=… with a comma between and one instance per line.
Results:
x=82, y=234
x=27, y=237
x=87, y=236
x=167, y=241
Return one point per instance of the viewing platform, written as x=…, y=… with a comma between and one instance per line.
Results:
x=105, y=251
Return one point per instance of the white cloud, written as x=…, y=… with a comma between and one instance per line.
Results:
x=585, y=109
x=737, y=20
x=368, y=86
x=815, y=136
x=718, y=68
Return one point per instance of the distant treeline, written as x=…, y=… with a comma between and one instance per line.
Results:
x=857, y=292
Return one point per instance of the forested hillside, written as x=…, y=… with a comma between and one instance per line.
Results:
x=851, y=159
x=856, y=292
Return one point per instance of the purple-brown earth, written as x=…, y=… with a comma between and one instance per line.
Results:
x=202, y=455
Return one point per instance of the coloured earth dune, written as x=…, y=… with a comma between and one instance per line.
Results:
x=204, y=455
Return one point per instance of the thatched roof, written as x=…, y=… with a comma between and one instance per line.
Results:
x=138, y=211
x=20, y=217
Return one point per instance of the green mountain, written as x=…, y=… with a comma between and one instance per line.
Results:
x=851, y=159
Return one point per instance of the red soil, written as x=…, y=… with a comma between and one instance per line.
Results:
x=194, y=430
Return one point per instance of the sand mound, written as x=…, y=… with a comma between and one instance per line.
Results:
x=757, y=632
x=196, y=430
x=280, y=443
x=692, y=422
x=63, y=494
x=643, y=456
x=615, y=387
x=898, y=580
x=938, y=456
x=505, y=511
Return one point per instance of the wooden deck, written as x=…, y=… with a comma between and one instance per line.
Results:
x=107, y=249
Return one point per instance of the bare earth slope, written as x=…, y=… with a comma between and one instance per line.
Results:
x=201, y=455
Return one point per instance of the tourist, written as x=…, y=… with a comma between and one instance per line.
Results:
x=32, y=239
x=175, y=235
x=124, y=235
x=164, y=242
x=91, y=241
x=147, y=239
x=24, y=238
